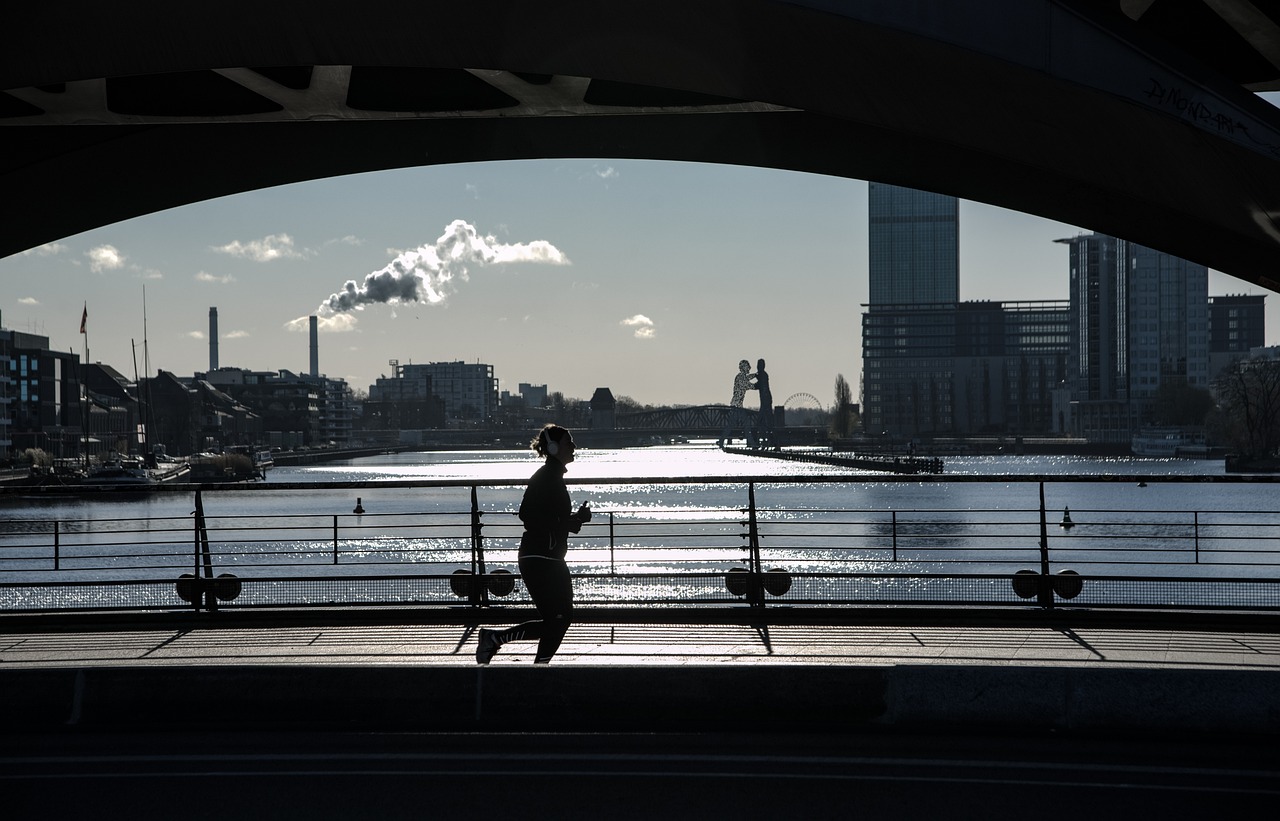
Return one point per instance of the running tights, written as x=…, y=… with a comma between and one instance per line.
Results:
x=551, y=589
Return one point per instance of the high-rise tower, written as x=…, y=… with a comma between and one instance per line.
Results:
x=914, y=243
x=909, y=329
x=1139, y=321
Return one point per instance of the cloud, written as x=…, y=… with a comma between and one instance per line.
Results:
x=105, y=258
x=28, y=300
x=606, y=173
x=267, y=249
x=643, y=325
x=196, y=334
x=147, y=273
x=205, y=276
x=430, y=273
x=335, y=324
x=236, y=335
x=47, y=250
x=349, y=239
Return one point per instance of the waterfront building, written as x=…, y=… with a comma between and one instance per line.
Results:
x=1010, y=359
x=6, y=390
x=908, y=332
x=289, y=405
x=1237, y=324
x=400, y=403
x=337, y=409
x=225, y=421
x=934, y=365
x=410, y=414
x=176, y=416
x=115, y=414
x=534, y=396
x=908, y=360
x=188, y=416
x=40, y=397
x=1139, y=320
x=469, y=392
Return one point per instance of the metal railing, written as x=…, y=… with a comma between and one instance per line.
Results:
x=752, y=555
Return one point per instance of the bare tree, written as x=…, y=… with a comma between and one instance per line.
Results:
x=1248, y=394
x=842, y=416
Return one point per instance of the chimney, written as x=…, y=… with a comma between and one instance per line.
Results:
x=315, y=348
x=213, y=339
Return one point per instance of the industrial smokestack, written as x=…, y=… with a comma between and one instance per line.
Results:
x=213, y=339
x=315, y=347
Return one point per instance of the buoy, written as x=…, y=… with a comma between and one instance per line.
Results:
x=1066, y=523
x=1142, y=484
x=359, y=507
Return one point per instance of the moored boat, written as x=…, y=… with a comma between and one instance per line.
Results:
x=1166, y=443
x=132, y=473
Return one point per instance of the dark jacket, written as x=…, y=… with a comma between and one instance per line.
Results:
x=547, y=513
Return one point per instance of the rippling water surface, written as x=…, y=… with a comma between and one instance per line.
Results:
x=803, y=523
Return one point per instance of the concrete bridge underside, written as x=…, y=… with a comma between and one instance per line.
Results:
x=1132, y=118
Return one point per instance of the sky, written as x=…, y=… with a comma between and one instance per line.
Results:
x=650, y=278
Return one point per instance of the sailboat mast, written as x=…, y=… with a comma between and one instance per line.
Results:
x=146, y=370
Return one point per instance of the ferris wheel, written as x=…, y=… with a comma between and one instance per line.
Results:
x=802, y=400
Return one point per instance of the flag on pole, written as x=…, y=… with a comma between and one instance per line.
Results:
x=84, y=317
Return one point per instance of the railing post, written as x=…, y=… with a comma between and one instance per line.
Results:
x=335, y=538
x=57, y=546
x=613, y=570
x=479, y=594
x=205, y=584
x=1044, y=592
x=195, y=570
x=1196, y=525
x=755, y=584
x=894, y=533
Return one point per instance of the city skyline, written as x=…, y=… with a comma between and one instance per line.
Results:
x=650, y=278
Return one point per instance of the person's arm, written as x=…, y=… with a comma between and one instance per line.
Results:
x=581, y=517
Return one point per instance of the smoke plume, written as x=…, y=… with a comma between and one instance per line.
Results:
x=430, y=273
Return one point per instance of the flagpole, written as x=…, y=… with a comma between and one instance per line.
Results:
x=84, y=385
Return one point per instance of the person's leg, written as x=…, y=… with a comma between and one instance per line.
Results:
x=551, y=589
x=554, y=600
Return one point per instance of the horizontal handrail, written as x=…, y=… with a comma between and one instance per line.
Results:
x=830, y=552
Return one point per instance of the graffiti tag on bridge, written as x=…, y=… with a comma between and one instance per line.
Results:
x=1205, y=115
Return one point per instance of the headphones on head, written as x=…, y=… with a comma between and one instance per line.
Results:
x=552, y=447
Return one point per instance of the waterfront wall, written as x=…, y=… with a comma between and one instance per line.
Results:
x=606, y=698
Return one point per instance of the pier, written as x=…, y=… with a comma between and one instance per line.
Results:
x=909, y=465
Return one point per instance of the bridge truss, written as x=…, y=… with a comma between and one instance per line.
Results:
x=712, y=417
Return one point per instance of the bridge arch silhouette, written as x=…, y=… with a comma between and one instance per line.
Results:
x=1111, y=115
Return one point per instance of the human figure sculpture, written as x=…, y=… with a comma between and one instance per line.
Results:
x=736, y=418
x=764, y=426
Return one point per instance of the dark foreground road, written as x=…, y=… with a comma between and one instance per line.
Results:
x=327, y=775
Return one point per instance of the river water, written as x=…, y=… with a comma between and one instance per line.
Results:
x=983, y=516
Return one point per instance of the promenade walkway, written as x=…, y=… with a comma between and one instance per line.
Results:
x=1085, y=677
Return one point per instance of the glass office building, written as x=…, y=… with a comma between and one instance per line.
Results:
x=914, y=244
x=932, y=365
x=908, y=331
x=1139, y=320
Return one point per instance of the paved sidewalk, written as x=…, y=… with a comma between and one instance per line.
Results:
x=665, y=645
x=645, y=677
